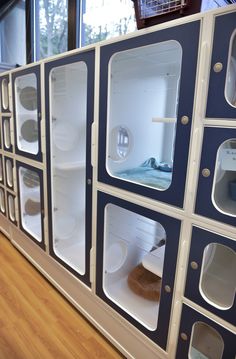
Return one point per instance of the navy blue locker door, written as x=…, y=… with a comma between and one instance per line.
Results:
x=221, y=101
x=5, y=101
x=148, y=117
x=69, y=93
x=31, y=202
x=26, y=86
x=216, y=196
x=2, y=201
x=1, y=170
x=11, y=207
x=211, y=273
x=9, y=174
x=137, y=248
x=200, y=337
x=6, y=134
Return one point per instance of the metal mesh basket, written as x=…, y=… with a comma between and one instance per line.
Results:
x=151, y=12
x=150, y=8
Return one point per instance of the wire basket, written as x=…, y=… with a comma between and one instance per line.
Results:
x=151, y=12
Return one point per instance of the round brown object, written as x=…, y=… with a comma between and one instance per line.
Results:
x=144, y=283
x=32, y=208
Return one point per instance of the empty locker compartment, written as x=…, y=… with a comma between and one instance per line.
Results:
x=221, y=102
x=27, y=112
x=1, y=170
x=6, y=124
x=216, y=193
x=201, y=338
x=9, y=171
x=11, y=207
x=211, y=279
x=31, y=206
x=70, y=111
x=146, y=97
x=5, y=99
x=136, y=256
x=2, y=201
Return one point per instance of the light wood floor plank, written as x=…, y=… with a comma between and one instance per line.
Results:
x=36, y=322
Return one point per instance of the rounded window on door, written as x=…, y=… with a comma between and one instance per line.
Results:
x=206, y=342
x=224, y=184
x=11, y=206
x=230, y=85
x=2, y=201
x=217, y=281
x=5, y=94
x=9, y=173
x=142, y=113
x=27, y=117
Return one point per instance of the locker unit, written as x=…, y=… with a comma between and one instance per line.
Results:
x=134, y=275
x=119, y=183
x=31, y=201
x=211, y=279
x=146, y=102
x=27, y=112
x=200, y=337
x=216, y=196
x=69, y=115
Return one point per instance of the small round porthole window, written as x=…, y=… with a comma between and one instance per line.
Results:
x=120, y=143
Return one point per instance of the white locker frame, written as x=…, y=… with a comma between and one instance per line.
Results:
x=129, y=340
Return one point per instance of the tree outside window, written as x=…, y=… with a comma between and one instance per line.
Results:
x=53, y=27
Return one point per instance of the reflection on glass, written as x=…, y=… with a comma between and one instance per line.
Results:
x=218, y=272
x=142, y=110
x=206, y=342
x=230, y=85
x=133, y=263
x=224, y=185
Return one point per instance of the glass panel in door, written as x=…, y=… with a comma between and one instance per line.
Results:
x=68, y=105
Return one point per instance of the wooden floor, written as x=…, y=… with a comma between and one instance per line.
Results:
x=36, y=322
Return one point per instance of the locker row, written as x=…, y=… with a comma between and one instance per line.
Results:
x=102, y=138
